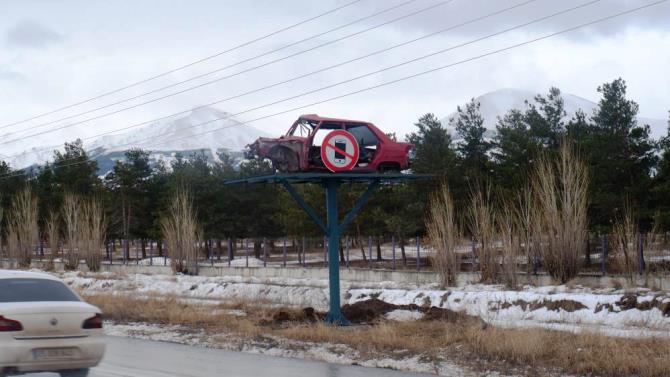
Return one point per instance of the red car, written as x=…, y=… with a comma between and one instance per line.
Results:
x=300, y=148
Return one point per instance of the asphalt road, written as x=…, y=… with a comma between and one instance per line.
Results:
x=139, y=358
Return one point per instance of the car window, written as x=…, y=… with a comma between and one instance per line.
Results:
x=30, y=290
x=363, y=134
x=324, y=129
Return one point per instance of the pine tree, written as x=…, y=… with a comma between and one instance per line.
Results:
x=473, y=148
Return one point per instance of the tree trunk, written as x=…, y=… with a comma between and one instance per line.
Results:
x=379, y=248
x=144, y=248
x=342, y=260
x=257, y=248
x=402, y=251
x=159, y=245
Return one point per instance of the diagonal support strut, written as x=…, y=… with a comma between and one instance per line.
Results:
x=306, y=207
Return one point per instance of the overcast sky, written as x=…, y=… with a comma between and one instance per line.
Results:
x=53, y=54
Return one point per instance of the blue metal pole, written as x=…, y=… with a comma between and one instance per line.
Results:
x=335, y=315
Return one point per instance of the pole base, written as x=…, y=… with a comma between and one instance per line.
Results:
x=337, y=319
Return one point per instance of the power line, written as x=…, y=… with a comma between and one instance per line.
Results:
x=310, y=73
x=105, y=94
x=477, y=57
x=219, y=79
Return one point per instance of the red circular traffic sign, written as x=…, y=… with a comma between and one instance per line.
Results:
x=339, y=151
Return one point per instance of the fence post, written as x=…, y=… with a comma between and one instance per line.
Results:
x=393, y=250
x=284, y=247
x=346, y=244
x=265, y=252
x=230, y=250
x=151, y=253
x=603, y=257
x=640, y=251
x=370, y=251
x=304, y=252
x=325, y=251
x=137, y=255
x=165, y=255
x=246, y=251
x=418, y=253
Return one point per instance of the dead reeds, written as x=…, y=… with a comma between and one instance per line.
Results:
x=93, y=232
x=181, y=232
x=482, y=224
x=52, y=226
x=22, y=228
x=560, y=186
x=444, y=235
x=72, y=208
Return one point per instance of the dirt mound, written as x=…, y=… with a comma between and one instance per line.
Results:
x=367, y=310
x=306, y=315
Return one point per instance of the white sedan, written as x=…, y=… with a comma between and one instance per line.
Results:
x=45, y=326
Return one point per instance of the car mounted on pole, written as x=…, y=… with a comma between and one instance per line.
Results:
x=300, y=149
x=330, y=152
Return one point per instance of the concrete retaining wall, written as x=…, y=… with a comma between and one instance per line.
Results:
x=656, y=282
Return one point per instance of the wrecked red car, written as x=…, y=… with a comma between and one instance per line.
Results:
x=300, y=148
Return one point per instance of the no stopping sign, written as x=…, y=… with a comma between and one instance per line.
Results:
x=339, y=151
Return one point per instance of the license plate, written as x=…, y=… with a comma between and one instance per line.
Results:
x=54, y=353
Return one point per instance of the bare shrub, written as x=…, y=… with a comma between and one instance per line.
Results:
x=181, y=232
x=625, y=232
x=444, y=236
x=22, y=229
x=93, y=232
x=481, y=219
x=52, y=226
x=561, y=188
x=510, y=231
x=72, y=214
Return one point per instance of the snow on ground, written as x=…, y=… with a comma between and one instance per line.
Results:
x=632, y=313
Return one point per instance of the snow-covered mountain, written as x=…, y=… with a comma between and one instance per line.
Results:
x=497, y=103
x=206, y=129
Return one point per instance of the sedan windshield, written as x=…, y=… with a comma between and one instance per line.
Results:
x=31, y=290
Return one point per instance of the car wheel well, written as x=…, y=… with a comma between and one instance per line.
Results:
x=284, y=158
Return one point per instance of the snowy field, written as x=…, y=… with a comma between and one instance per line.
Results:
x=631, y=313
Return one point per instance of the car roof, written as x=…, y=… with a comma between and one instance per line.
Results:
x=317, y=118
x=12, y=274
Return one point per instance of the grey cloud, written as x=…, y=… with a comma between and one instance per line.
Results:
x=31, y=34
x=9, y=75
x=458, y=11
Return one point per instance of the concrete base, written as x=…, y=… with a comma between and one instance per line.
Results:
x=353, y=275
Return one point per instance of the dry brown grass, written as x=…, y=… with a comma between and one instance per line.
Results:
x=466, y=342
x=444, y=236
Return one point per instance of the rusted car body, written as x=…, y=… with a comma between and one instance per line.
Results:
x=300, y=148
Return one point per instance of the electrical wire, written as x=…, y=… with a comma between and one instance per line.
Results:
x=237, y=47
x=422, y=73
